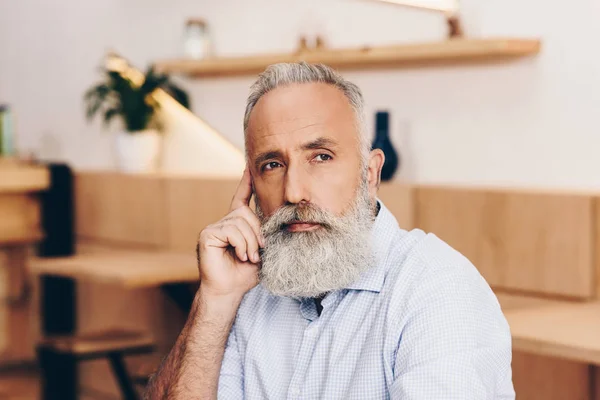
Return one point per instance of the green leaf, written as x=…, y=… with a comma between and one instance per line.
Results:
x=178, y=94
x=110, y=114
x=95, y=98
x=152, y=82
x=118, y=96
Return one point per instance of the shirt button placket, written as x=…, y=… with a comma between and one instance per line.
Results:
x=306, y=351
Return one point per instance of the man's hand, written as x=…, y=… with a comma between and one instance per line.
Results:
x=228, y=251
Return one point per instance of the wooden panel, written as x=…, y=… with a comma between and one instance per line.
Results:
x=19, y=226
x=525, y=241
x=17, y=177
x=21, y=384
x=396, y=56
x=19, y=218
x=544, y=378
x=399, y=199
x=596, y=254
x=192, y=204
x=595, y=388
x=17, y=306
x=120, y=208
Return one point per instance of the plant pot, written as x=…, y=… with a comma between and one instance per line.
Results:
x=138, y=152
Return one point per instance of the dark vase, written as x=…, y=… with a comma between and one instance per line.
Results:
x=382, y=141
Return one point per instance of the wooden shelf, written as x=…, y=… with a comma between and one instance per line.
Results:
x=454, y=51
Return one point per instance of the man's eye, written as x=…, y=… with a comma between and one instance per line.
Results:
x=271, y=165
x=323, y=157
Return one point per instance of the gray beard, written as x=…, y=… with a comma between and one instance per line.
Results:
x=309, y=264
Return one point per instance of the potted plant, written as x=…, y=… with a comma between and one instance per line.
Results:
x=138, y=145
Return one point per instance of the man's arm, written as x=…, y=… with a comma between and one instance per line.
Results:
x=228, y=260
x=191, y=370
x=455, y=343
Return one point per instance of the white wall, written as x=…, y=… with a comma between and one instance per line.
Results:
x=532, y=122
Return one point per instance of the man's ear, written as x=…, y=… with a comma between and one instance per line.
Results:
x=376, y=160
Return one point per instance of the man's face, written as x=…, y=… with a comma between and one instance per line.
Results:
x=314, y=193
x=303, y=148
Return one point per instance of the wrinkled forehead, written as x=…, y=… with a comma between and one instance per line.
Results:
x=292, y=114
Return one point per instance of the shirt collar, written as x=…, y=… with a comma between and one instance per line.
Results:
x=384, y=229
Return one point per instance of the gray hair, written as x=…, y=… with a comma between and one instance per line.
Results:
x=285, y=74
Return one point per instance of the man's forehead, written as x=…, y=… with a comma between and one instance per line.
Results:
x=288, y=126
x=291, y=116
x=295, y=135
x=295, y=103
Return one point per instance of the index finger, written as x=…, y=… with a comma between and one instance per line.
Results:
x=243, y=192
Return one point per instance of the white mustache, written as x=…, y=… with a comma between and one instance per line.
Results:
x=290, y=214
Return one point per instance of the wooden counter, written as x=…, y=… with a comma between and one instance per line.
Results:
x=567, y=331
x=18, y=177
x=19, y=206
x=19, y=228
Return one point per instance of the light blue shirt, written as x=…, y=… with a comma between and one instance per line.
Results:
x=422, y=324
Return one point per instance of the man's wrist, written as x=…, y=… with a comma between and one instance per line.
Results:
x=217, y=306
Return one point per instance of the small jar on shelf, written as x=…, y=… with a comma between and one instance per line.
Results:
x=197, y=44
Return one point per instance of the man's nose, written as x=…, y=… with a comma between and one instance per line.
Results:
x=296, y=186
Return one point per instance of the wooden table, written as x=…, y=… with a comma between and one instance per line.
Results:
x=568, y=331
x=128, y=268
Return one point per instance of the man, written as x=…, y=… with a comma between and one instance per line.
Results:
x=319, y=294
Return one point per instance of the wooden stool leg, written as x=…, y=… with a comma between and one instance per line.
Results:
x=58, y=375
x=120, y=372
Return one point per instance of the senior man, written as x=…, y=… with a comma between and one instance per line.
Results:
x=318, y=293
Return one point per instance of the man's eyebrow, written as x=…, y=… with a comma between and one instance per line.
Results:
x=319, y=143
x=312, y=145
x=262, y=157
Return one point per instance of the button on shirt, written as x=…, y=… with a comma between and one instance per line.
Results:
x=420, y=324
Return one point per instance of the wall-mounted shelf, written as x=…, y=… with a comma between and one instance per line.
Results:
x=454, y=51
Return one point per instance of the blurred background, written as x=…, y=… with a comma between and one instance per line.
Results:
x=488, y=109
